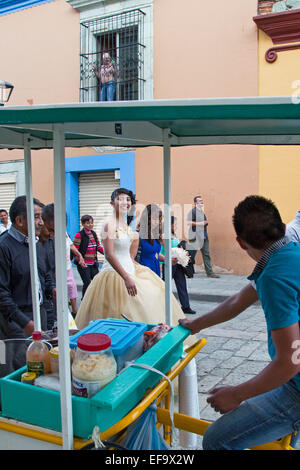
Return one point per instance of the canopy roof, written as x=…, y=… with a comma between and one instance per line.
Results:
x=262, y=120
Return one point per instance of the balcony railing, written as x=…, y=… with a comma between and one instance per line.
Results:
x=122, y=37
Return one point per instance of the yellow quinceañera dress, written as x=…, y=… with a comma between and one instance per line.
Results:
x=107, y=296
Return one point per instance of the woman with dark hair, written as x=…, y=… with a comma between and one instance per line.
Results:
x=150, y=233
x=124, y=286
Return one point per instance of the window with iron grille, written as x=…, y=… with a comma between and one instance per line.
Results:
x=122, y=37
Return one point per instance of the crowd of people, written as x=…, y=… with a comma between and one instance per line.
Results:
x=130, y=282
x=134, y=265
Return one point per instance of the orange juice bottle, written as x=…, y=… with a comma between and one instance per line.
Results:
x=37, y=356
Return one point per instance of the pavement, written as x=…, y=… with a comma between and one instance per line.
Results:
x=235, y=351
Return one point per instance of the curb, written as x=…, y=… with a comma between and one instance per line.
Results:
x=205, y=297
x=192, y=296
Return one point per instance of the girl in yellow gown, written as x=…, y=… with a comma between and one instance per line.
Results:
x=124, y=286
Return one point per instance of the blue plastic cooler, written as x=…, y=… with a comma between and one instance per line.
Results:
x=126, y=338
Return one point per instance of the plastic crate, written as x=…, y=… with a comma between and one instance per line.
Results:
x=39, y=406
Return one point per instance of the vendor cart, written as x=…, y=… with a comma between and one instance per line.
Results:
x=163, y=123
x=17, y=434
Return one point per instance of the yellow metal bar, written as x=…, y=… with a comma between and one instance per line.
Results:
x=167, y=428
x=183, y=422
x=199, y=426
x=32, y=433
x=286, y=441
x=275, y=445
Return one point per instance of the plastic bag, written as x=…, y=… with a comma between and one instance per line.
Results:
x=72, y=324
x=151, y=337
x=142, y=434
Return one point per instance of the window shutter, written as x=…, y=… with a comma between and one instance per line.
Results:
x=7, y=195
x=95, y=189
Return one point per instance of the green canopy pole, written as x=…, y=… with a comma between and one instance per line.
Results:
x=167, y=226
x=31, y=235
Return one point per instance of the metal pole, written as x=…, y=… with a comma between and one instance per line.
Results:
x=167, y=227
x=34, y=276
x=61, y=287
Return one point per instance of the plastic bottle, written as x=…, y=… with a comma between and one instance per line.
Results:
x=37, y=356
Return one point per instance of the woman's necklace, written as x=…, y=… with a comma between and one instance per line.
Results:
x=121, y=227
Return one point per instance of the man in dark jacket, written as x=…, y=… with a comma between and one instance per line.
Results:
x=16, y=310
x=198, y=237
x=47, y=243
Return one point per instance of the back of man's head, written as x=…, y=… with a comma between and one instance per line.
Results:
x=257, y=221
x=48, y=213
x=18, y=208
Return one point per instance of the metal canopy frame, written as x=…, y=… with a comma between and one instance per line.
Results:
x=164, y=123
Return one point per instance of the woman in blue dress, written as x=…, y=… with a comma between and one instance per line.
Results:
x=150, y=233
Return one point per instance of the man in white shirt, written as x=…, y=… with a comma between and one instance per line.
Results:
x=5, y=223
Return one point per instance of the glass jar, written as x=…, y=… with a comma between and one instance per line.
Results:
x=54, y=360
x=94, y=364
x=28, y=378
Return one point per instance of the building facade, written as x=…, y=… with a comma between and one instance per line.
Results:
x=163, y=49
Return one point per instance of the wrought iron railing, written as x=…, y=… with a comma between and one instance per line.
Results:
x=122, y=37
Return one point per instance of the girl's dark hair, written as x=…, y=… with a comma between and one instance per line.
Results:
x=129, y=193
x=18, y=208
x=85, y=218
x=257, y=221
x=145, y=229
x=173, y=220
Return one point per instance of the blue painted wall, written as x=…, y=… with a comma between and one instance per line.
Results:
x=75, y=165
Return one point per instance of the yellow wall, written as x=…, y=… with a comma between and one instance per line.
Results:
x=279, y=167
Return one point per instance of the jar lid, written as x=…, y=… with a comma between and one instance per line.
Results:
x=54, y=352
x=29, y=376
x=94, y=342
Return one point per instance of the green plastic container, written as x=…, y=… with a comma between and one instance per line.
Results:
x=40, y=406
